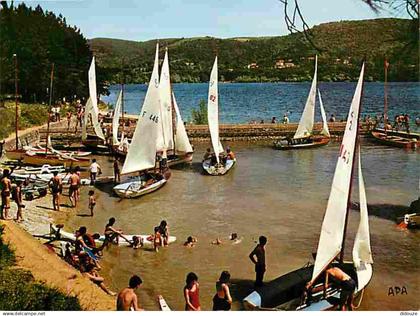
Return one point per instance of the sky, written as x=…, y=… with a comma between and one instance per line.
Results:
x=142, y=20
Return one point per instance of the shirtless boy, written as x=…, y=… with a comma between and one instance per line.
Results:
x=6, y=188
x=127, y=298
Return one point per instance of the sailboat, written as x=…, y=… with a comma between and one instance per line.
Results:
x=388, y=136
x=288, y=291
x=215, y=166
x=173, y=142
x=304, y=137
x=141, y=155
x=95, y=142
x=176, y=149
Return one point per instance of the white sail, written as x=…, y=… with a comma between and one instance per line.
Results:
x=182, y=143
x=362, y=253
x=166, y=106
x=142, y=151
x=88, y=110
x=325, y=130
x=332, y=232
x=116, y=119
x=306, y=122
x=94, y=101
x=213, y=111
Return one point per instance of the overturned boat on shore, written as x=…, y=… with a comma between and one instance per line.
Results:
x=141, y=155
x=304, y=137
x=215, y=166
x=289, y=292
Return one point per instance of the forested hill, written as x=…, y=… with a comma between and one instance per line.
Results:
x=343, y=46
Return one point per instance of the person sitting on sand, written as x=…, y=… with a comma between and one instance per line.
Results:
x=70, y=258
x=127, y=299
x=190, y=242
x=88, y=269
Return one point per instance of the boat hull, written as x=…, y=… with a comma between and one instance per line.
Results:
x=220, y=171
x=395, y=140
x=147, y=242
x=55, y=160
x=313, y=143
x=286, y=292
x=136, y=187
x=16, y=154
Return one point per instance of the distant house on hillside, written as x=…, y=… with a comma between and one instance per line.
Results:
x=281, y=63
x=252, y=66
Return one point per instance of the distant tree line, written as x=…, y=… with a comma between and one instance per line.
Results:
x=343, y=45
x=40, y=38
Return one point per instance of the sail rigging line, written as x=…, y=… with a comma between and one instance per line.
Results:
x=49, y=108
x=356, y=148
x=386, y=65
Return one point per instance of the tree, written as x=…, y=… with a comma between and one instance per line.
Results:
x=199, y=116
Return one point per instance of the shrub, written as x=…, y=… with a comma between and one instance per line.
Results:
x=199, y=116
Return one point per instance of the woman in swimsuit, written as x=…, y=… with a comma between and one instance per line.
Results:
x=192, y=293
x=222, y=301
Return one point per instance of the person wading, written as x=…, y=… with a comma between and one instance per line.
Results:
x=222, y=300
x=192, y=293
x=257, y=257
x=127, y=299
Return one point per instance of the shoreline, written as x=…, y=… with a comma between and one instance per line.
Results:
x=32, y=255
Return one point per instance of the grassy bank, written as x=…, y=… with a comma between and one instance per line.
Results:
x=29, y=115
x=19, y=291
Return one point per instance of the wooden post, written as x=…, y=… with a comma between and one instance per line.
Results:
x=16, y=102
x=49, y=107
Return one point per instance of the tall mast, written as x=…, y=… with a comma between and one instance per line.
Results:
x=386, y=65
x=174, y=120
x=122, y=92
x=16, y=102
x=49, y=107
x=343, y=243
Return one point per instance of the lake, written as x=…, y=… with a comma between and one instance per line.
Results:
x=243, y=102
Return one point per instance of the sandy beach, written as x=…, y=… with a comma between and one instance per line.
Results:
x=32, y=255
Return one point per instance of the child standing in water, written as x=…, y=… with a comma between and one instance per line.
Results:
x=92, y=201
x=157, y=239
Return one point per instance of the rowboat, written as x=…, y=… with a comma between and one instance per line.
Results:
x=141, y=155
x=216, y=166
x=386, y=138
x=304, y=137
x=40, y=159
x=292, y=290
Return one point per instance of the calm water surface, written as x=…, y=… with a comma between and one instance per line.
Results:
x=281, y=194
x=243, y=102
